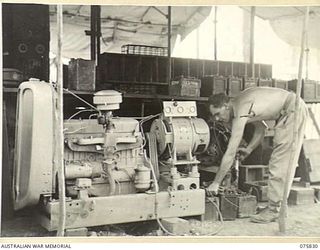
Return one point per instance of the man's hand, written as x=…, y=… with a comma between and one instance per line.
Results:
x=214, y=188
x=243, y=153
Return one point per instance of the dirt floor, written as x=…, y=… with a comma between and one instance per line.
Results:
x=302, y=221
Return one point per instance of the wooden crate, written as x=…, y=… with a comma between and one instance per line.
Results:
x=211, y=85
x=258, y=189
x=81, y=75
x=185, y=87
x=251, y=173
x=247, y=205
x=301, y=196
x=211, y=212
x=310, y=89
x=249, y=82
x=229, y=206
x=235, y=86
x=262, y=82
x=281, y=84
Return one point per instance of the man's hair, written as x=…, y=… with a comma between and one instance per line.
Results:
x=218, y=100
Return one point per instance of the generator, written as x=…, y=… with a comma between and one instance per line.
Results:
x=177, y=137
x=114, y=173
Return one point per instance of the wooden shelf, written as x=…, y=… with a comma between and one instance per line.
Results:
x=129, y=95
x=144, y=96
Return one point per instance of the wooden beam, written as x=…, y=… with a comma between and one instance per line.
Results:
x=59, y=141
x=215, y=33
x=291, y=167
x=253, y=14
x=169, y=46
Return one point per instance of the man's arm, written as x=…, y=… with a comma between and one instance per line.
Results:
x=238, y=125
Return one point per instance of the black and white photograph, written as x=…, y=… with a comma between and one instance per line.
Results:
x=160, y=121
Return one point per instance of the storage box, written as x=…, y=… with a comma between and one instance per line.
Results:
x=229, y=206
x=247, y=205
x=235, y=86
x=309, y=161
x=176, y=225
x=185, y=87
x=81, y=75
x=310, y=90
x=281, y=84
x=301, y=196
x=211, y=212
x=258, y=189
x=249, y=82
x=264, y=82
x=212, y=85
x=250, y=173
x=238, y=205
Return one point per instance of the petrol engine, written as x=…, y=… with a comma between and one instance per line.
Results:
x=114, y=173
x=105, y=157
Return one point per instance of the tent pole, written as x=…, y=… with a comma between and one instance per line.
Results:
x=253, y=13
x=198, y=42
x=59, y=142
x=291, y=167
x=169, y=46
x=98, y=34
x=93, y=33
x=215, y=33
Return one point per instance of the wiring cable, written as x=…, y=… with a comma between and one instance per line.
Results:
x=143, y=120
x=156, y=186
x=220, y=217
x=79, y=112
x=81, y=99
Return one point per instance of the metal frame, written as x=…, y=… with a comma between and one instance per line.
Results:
x=115, y=209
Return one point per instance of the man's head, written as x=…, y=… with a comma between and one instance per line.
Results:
x=219, y=107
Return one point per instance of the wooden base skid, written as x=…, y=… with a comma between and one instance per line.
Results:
x=98, y=211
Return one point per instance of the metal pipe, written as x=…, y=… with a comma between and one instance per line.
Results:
x=111, y=179
x=253, y=13
x=215, y=33
x=93, y=44
x=291, y=167
x=169, y=46
x=59, y=127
